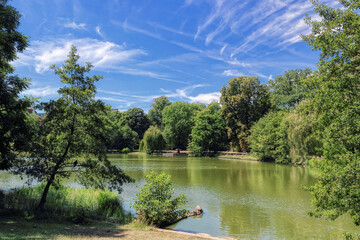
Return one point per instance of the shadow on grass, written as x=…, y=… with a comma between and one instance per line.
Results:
x=12, y=227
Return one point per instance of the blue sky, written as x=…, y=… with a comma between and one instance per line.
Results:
x=184, y=49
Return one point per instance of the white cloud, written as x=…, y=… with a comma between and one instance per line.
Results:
x=41, y=91
x=98, y=31
x=232, y=73
x=206, y=97
x=75, y=26
x=102, y=54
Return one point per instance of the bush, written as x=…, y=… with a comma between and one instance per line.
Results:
x=126, y=150
x=67, y=202
x=154, y=204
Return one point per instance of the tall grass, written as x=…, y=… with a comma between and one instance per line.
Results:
x=67, y=202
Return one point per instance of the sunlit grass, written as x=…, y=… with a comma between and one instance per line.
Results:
x=66, y=202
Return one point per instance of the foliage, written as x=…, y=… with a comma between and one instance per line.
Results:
x=209, y=132
x=243, y=103
x=153, y=141
x=290, y=89
x=179, y=118
x=303, y=142
x=334, y=105
x=126, y=150
x=155, y=115
x=63, y=202
x=15, y=133
x=72, y=135
x=136, y=119
x=155, y=204
x=268, y=140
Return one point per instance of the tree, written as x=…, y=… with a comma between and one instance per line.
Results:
x=268, y=139
x=136, y=119
x=290, y=89
x=209, y=131
x=15, y=133
x=72, y=135
x=179, y=118
x=243, y=102
x=120, y=136
x=334, y=105
x=153, y=140
x=155, y=204
x=155, y=115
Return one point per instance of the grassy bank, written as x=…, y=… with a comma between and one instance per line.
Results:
x=78, y=205
x=12, y=228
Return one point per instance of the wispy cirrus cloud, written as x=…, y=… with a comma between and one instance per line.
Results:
x=74, y=25
x=102, y=54
x=41, y=91
x=232, y=73
x=127, y=99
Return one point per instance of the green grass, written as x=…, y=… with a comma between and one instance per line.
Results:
x=65, y=202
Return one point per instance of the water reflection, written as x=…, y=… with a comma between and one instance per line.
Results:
x=241, y=199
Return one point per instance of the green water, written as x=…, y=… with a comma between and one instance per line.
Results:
x=241, y=199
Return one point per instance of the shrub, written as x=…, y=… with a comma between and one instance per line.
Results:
x=154, y=204
x=126, y=150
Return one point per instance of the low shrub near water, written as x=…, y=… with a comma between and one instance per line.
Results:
x=155, y=204
x=65, y=202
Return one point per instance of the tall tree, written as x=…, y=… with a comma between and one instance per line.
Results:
x=209, y=131
x=14, y=130
x=290, y=89
x=243, y=102
x=73, y=134
x=136, y=119
x=334, y=106
x=155, y=114
x=179, y=118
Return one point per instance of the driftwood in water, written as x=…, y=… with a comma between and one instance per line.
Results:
x=196, y=212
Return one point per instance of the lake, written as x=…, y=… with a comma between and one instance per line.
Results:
x=241, y=199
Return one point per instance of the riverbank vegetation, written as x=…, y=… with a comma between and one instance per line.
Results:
x=297, y=116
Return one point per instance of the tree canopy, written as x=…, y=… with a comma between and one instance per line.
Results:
x=243, y=102
x=136, y=119
x=290, y=89
x=15, y=132
x=153, y=141
x=334, y=107
x=72, y=135
x=179, y=118
x=209, y=131
x=155, y=114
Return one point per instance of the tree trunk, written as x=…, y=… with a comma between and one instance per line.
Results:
x=44, y=195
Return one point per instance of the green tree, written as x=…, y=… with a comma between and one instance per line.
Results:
x=335, y=107
x=178, y=119
x=209, y=131
x=155, y=115
x=243, y=102
x=136, y=119
x=15, y=132
x=72, y=135
x=153, y=141
x=302, y=137
x=290, y=89
x=155, y=204
x=268, y=139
